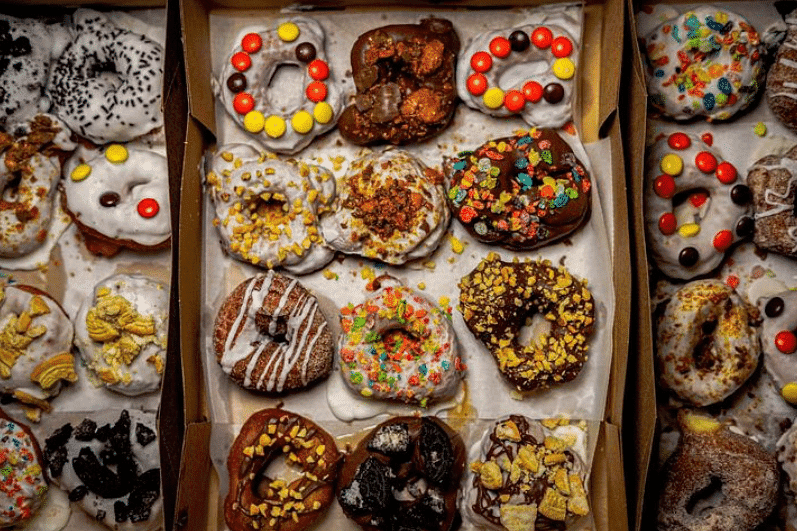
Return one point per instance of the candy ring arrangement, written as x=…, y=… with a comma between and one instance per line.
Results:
x=773, y=182
x=492, y=78
x=705, y=62
x=779, y=341
x=696, y=208
x=246, y=78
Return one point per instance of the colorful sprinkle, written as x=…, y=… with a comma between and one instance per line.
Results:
x=318, y=70
x=542, y=37
x=241, y=61
x=275, y=126
x=481, y=62
x=323, y=112
x=760, y=129
x=316, y=91
x=254, y=121
x=493, y=98
x=148, y=208
x=243, y=103
x=251, y=43
x=80, y=172
x=564, y=68
x=302, y=122
x=116, y=153
x=679, y=141
x=288, y=31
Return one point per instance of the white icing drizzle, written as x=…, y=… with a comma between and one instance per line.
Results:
x=788, y=62
x=778, y=200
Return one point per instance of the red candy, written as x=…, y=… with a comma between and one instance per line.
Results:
x=705, y=162
x=318, y=70
x=251, y=42
x=679, y=141
x=708, y=138
x=722, y=240
x=532, y=91
x=514, y=100
x=243, y=103
x=664, y=186
x=668, y=224
x=786, y=342
x=698, y=199
x=481, y=62
x=561, y=47
x=241, y=61
x=148, y=208
x=500, y=47
x=726, y=173
x=477, y=84
x=316, y=91
x=542, y=37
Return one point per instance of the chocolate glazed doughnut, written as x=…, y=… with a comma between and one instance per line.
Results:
x=404, y=75
x=404, y=475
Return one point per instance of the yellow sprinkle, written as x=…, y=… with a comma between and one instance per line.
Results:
x=322, y=112
x=456, y=245
x=789, y=393
x=302, y=122
x=421, y=285
x=689, y=229
x=254, y=121
x=116, y=153
x=563, y=68
x=493, y=98
x=672, y=164
x=275, y=126
x=80, y=172
x=288, y=31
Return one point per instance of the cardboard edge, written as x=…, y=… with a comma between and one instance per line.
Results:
x=607, y=486
x=191, y=508
x=196, y=30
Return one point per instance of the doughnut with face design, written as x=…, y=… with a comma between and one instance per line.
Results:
x=779, y=341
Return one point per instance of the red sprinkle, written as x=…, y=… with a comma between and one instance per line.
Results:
x=786, y=342
x=726, y=173
x=561, y=47
x=241, y=61
x=679, y=141
x=514, y=100
x=251, y=42
x=243, y=103
x=722, y=240
x=664, y=186
x=705, y=162
x=500, y=47
x=318, y=69
x=698, y=199
x=732, y=281
x=542, y=37
x=668, y=224
x=316, y=91
x=708, y=138
x=532, y=91
x=481, y=62
x=148, y=208
x=477, y=84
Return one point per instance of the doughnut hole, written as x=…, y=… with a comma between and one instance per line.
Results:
x=706, y=499
x=702, y=352
x=535, y=326
x=104, y=70
x=401, y=343
x=275, y=466
x=274, y=212
x=275, y=327
x=691, y=206
x=518, y=74
x=285, y=89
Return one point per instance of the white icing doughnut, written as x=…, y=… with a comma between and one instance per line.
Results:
x=705, y=62
x=787, y=456
x=707, y=342
x=121, y=195
x=121, y=332
x=35, y=344
x=696, y=208
x=779, y=341
x=527, y=70
x=267, y=209
x=245, y=82
x=107, y=84
x=389, y=207
x=24, y=485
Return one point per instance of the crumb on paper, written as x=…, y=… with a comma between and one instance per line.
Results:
x=451, y=259
x=444, y=301
x=456, y=244
x=337, y=162
x=760, y=129
x=421, y=285
x=330, y=275
x=429, y=265
x=516, y=395
x=367, y=273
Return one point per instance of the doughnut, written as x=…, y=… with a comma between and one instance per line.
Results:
x=526, y=474
x=121, y=331
x=267, y=210
x=257, y=501
x=30, y=169
x=773, y=182
x=107, y=84
x=787, y=456
x=404, y=475
x=389, y=207
x=35, y=346
x=246, y=79
x=716, y=480
x=109, y=464
x=24, y=486
x=779, y=341
x=406, y=89
x=696, y=207
x=526, y=70
x=497, y=297
x=781, y=88
x=119, y=198
x=397, y=345
x=270, y=335
x=28, y=48
x=521, y=192
x=706, y=342
x=706, y=62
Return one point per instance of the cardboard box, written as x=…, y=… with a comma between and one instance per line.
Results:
x=601, y=60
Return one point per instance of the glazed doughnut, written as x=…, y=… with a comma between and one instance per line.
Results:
x=705, y=62
x=521, y=192
x=389, y=207
x=404, y=475
x=781, y=88
x=526, y=474
x=707, y=342
x=30, y=169
x=119, y=198
x=245, y=82
x=121, y=331
x=110, y=466
x=406, y=89
x=35, y=344
x=696, y=207
x=255, y=500
x=527, y=70
x=787, y=455
x=107, y=84
x=399, y=346
x=710, y=459
x=779, y=341
x=270, y=335
x=497, y=297
x=24, y=485
x=267, y=210
x=773, y=181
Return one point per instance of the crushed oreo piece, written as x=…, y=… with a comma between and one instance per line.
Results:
x=55, y=457
x=86, y=430
x=145, y=492
x=100, y=515
x=103, y=433
x=391, y=440
x=369, y=491
x=97, y=478
x=59, y=436
x=435, y=502
x=78, y=493
x=437, y=455
x=108, y=456
x=144, y=435
x=119, y=512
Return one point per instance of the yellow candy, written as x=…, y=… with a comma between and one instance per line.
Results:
x=789, y=393
x=80, y=172
x=672, y=164
x=563, y=68
x=689, y=229
x=288, y=31
x=322, y=112
x=493, y=98
x=254, y=121
x=116, y=153
x=275, y=126
x=302, y=122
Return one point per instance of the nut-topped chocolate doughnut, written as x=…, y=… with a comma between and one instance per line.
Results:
x=779, y=341
x=406, y=90
x=497, y=297
x=521, y=192
x=773, y=182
